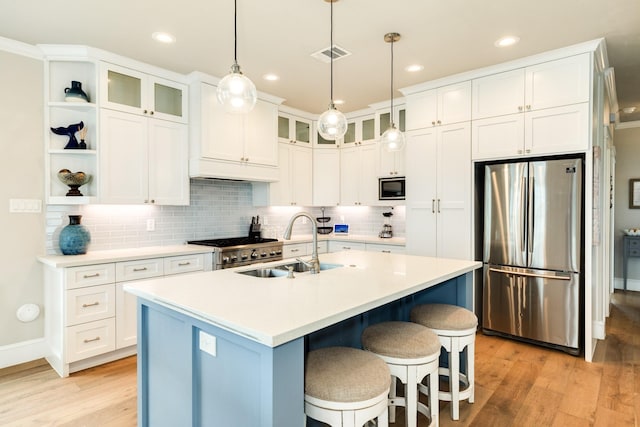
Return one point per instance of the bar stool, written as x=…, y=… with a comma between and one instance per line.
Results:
x=346, y=387
x=456, y=329
x=411, y=352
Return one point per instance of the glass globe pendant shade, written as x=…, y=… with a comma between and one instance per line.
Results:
x=332, y=124
x=392, y=139
x=236, y=92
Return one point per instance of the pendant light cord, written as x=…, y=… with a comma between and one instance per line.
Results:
x=391, y=113
x=331, y=51
x=235, y=31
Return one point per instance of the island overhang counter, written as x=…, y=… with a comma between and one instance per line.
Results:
x=222, y=348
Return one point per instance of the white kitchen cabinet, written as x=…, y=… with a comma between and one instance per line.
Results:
x=293, y=250
x=326, y=177
x=440, y=106
x=323, y=247
x=294, y=130
x=90, y=319
x=384, y=114
x=60, y=70
x=438, y=213
x=360, y=130
x=391, y=163
x=295, y=186
x=388, y=249
x=358, y=175
x=346, y=245
x=232, y=146
x=136, y=92
x=142, y=160
x=538, y=110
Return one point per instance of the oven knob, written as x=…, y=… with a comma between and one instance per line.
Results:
x=254, y=255
x=263, y=254
x=244, y=256
x=272, y=253
x=234, y=258
x=278, y=252
x=225, y=259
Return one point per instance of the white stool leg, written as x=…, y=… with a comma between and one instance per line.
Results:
x=434, y=401
x=454, y=378
x=411, y=398
x=471, y=352
x=383, y=419
x=392, y=394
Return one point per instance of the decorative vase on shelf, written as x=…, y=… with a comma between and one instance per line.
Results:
x=75, y=93
x=74, y=237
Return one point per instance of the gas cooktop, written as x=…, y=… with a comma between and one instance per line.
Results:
x=232, y=241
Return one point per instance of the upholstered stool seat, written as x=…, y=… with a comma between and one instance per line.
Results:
x=346, y=387
x=456, y=329
x=411, y=351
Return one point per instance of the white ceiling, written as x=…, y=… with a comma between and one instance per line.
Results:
x=278, y=36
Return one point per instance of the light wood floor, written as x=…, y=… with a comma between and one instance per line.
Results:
x=516, y=385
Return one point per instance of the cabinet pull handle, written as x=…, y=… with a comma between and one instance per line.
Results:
x=91, y=305
x=438, y=205
x=346, y=247
x=386, y=252
x=295, y=250
x=140, y=269
x=182, y=264
x=88, y=276
x=433, y=205
x=91, y=340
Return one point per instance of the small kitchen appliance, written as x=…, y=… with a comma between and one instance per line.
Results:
x=387, y=230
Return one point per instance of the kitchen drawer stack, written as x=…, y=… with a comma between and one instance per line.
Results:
x=90, y=319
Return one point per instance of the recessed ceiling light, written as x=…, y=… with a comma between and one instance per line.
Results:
x=163, y=37
x=629, y=110
x=414, y=68
x=507, y=41
x=271, y=77
x=338, y=101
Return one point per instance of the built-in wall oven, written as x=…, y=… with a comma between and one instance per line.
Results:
x=240, y=251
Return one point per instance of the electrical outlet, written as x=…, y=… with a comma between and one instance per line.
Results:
x=207, y=343
x=151, y=224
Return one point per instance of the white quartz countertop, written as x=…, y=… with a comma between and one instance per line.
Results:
x=115, y=255
x=396, y=241
x=276, y=310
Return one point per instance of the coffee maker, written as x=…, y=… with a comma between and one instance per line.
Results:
x=387, y=231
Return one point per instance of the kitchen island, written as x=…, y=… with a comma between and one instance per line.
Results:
x=223, y=348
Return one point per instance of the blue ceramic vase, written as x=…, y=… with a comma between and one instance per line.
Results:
x=74, y=238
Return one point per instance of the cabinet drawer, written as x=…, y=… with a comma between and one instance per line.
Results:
x=633, y=243
x=183, y=264
x=294, y=250
x=376, y=247
x=335, y=246
x=323, y=247
x=91, y=339
x=89, y=275
x=90, y=303
x=634, y=252
x=141, y=269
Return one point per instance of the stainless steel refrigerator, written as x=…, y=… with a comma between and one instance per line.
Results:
x=533, y=252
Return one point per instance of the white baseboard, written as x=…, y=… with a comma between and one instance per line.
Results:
x=632, y=284
x=22, y=352
x=598, y=330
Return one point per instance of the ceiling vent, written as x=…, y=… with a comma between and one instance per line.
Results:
x=325, y=54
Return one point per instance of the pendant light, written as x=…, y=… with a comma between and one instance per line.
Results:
x=392, y=139
x=332, y=124
x=236, y=92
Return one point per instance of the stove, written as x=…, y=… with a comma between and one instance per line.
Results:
x=239, y=251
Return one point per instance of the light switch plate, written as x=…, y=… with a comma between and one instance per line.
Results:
x=25, y=205
x=207, y=343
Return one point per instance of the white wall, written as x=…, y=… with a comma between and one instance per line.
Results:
x=627, y=143
x=22, y=165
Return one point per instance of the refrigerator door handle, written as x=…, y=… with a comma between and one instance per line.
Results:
x=531, y=214
x=523, y=193
x=559, y=276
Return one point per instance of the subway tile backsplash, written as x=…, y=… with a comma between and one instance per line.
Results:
x=218, y=208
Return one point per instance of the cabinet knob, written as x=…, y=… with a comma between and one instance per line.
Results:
x=520, y=108
x=528, y=107
x=246, y=159
x=153, y=200
x=439, y=122
x=528, y=150
x=151, y=112
x=519, y=151
x=145, y=111
x=433, y=122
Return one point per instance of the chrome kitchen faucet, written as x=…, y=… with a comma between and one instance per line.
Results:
x=314, y=262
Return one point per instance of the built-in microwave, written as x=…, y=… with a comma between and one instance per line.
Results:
x=391, y=188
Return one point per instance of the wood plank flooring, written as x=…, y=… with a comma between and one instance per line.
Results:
x=516, y=385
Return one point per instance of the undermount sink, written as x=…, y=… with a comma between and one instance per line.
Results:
x=282, y=270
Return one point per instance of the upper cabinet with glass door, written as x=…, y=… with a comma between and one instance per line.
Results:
x=384, y=116
x=294, y=130
x=360, y=130
x=135, y=92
